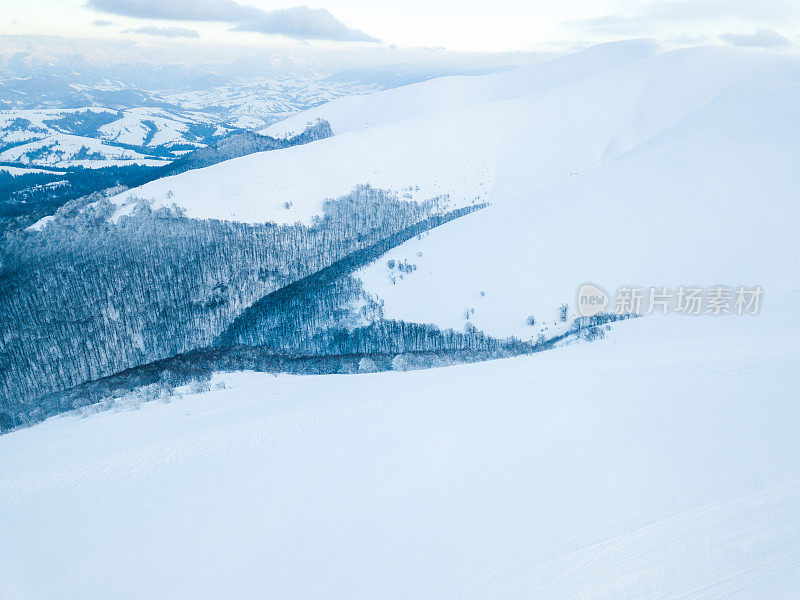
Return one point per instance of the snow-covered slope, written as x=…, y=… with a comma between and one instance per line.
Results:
x=16, y=171
x=445, y=94
x=660, y=462
x=158, y=127
x=257, y=187
x=254, y=102
x=97, y=137
x=618, y=165
x=449, y=146
x=62, y=150
x=699, y=211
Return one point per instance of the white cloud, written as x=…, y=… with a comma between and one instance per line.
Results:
x=300, y=22
x=304, y=23
x=669, y=14
x=763, y=38
x=176, y=10
x=171, y=32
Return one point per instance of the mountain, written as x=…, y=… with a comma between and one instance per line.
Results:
x=94, y=147
x=59, y=91
x=452, y=218
x=396, y=75
x=124, y=109
x=252, y=103
x=243, y=144
x=285, y=367
x=445, y=94
x=621, y=165
x=100, y=137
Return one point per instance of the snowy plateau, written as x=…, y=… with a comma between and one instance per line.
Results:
x=659, y=459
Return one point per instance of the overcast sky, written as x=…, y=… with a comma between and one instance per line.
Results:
x=456, y=25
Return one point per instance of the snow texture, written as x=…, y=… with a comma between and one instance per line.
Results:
x=662, y=461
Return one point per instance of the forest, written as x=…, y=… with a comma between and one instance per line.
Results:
x=86, y=297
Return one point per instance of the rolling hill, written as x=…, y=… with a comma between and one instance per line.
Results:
x=176, y=326
x=621, y=165
x=457, y=214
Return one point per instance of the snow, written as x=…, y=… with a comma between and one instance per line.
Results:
x=255, y=188
x=15, y=171
x=60, y=151
x=43, y=131
x=619, y=165
x=127, y=130
x=447, y=148
x=662, y=461
x=250, y=103
x=171, y=127
x=649, y=219
x=444, y=94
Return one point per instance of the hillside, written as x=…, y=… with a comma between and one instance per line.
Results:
x=459, y=229
x=659, y=462
x=348, y=357
x=444, y=94
x=99, y=137
x=620, y=165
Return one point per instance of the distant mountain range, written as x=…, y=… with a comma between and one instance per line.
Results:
x=145, y=128
x=99, y=137
x=98, y=103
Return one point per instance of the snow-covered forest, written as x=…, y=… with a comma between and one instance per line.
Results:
x=87, y=297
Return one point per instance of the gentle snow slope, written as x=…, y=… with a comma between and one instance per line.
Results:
x=444, y=94
x=504, y=137
x=440, y=136
x=661, y=462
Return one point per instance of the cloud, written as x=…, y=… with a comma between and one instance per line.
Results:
x=668, y=13
x=171, y=32
x=763, y=38
x=609, y=24
x=300, y=22
x=102, y=22
x=176, y=10
x=720, y=9
x=304, y=23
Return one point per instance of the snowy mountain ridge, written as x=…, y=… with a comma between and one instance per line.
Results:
x=583, y=141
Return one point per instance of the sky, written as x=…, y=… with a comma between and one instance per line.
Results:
x=471, y=25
